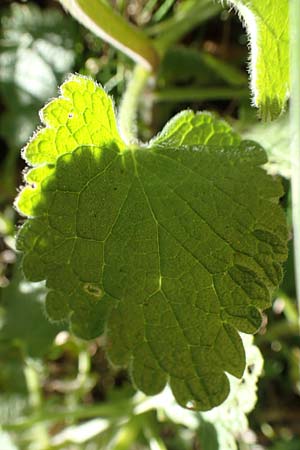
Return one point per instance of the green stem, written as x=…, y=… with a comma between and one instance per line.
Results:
x=199, y=94
x=295, y=134
x=163, y=10
x=279, y=331
x=109, y=411
x=33, y=385
x=39, y=431
x=102, y=20
x=172, y=30
x=82, y=381
x=129, y=105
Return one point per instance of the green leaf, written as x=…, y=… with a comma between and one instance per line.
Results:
x=72, y=120
x=208, y=436
x=230, y=418
x=168, y=249
x=267, y=25
x=188, y=128
x=221, y=427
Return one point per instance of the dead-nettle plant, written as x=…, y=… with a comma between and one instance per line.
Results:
x=170, y=248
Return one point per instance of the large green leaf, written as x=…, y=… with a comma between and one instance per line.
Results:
x=168, y=248
x=267, y=25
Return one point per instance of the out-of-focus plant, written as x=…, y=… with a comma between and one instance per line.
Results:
x=37, y=49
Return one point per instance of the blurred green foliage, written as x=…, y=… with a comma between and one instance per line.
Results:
x=37, y=50
x=24, y=323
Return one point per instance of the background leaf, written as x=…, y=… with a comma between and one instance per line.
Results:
x=275, y=139
x=268, y=28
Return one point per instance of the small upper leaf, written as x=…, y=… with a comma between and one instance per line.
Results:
x=268, y=28
x=170, y=249
x=188, y=128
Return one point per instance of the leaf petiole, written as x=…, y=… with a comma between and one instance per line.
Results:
x=128, y=109
x=100, y=18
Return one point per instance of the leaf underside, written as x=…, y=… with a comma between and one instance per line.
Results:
x=169, y=249
x=267, y=24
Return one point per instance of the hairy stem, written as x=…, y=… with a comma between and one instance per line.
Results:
x=102, y=20
x=295, y=134
x=129, y=105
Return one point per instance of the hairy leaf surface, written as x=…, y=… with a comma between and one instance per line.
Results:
x=169, y=249
x=188, y=128
x=267, y=25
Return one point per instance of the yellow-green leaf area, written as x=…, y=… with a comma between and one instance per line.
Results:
x=201, y=128
x=267, y=23
x=169, y=250
x=82, y=114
